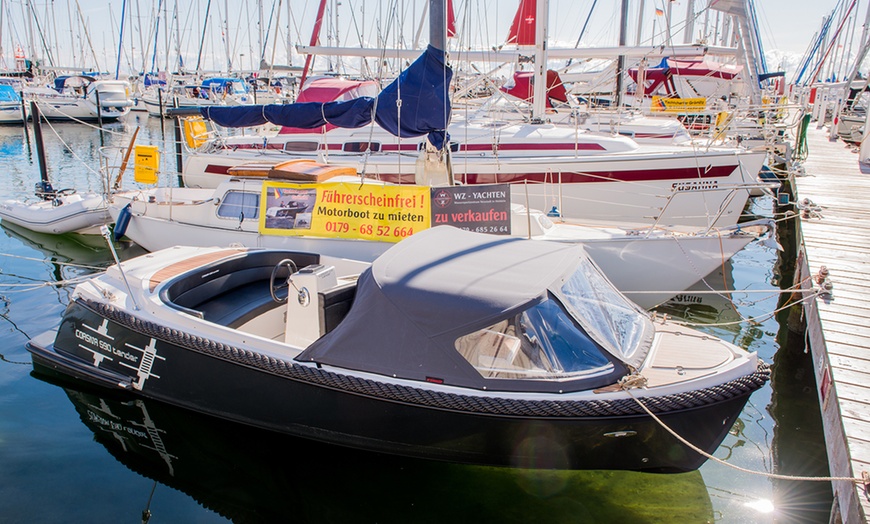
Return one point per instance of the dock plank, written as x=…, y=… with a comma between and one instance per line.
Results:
x=837, y=235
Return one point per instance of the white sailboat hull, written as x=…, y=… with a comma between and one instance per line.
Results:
x=649, y=266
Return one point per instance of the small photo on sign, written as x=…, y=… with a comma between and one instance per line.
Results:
x=290, y=208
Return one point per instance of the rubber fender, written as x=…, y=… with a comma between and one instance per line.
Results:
x=122, y=223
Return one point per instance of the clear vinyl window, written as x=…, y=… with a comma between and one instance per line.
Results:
x=541, y=343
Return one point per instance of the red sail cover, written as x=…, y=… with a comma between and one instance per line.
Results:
x=523, y=27
x=524, y=89
x=451, y=20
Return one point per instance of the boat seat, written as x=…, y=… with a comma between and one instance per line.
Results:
x=334, y=304
x=240, y=305
x=231, y=292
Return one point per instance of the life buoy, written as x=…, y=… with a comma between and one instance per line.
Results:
x=122, y=223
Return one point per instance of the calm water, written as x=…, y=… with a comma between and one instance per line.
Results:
x=73, y=454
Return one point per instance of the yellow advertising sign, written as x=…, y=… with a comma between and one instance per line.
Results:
x=147, y=161
x=678, y=105
x=344, y=210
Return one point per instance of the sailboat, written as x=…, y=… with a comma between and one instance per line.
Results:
x=233, y=215
x=584, y=174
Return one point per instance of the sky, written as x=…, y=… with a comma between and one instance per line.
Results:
x=787, y=27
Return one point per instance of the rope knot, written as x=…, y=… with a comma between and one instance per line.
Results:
x=632, y=381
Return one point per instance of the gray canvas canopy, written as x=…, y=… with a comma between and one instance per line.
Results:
x=438, y=285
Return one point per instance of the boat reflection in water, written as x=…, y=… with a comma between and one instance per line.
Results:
x=70, y=248
x=247, y=474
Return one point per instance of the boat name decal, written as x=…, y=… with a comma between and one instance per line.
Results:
x=693, y=299
x=695, y=186
x=104, y=346
x=98, y=342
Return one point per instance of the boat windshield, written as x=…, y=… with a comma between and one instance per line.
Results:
x=610, y=319
x=541, y=343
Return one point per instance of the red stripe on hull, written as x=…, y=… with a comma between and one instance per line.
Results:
x=634, y=175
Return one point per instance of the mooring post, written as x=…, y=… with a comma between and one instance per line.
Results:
x=40, y=147
x=179, y=164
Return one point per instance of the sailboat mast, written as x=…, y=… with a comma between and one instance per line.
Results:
x=688, y=37
x=315, y=35
x=438, y=24
x=640, y=14
x=202, y=37
x=620, y=61
x=539, y=101
x=227, y=34
x=166, y=33
x=72, y=37
x=154, y=65
x=88, y=36
x=2, y=10
x=143, y=51
x=121, y=41
x=260, y=27
x=274, y=43
x=178, y=38
x=862, y=53
x=33, y=54
x=289, y=38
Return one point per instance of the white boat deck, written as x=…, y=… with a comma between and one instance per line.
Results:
x=837, y=236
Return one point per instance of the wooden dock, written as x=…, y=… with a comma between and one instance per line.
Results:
x=834, y=233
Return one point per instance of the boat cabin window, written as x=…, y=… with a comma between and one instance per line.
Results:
x=301, y=147
x=236, y=204
x=361, y=147
x=541, y=343
x=613, y=321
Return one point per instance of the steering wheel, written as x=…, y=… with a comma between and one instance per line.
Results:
x=65, y=192
x=273, y=289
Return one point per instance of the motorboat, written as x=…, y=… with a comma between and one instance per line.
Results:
x=452, y=345
x=58, y=212
x=230, y=215
x=82, y=97
x=200, y=456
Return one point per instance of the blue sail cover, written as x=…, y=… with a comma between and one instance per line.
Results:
x=425, y=106
x=8, y=94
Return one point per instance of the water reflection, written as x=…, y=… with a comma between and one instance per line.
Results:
x=798, y=448
x=790, y=441
x=246, y=474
